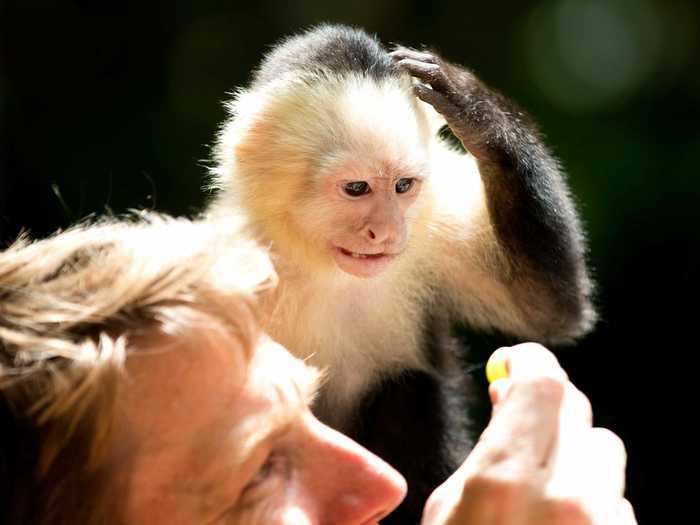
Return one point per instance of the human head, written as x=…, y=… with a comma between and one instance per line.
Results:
x=105, y=330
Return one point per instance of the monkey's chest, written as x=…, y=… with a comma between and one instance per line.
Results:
x=343, y=336
x=356, y=341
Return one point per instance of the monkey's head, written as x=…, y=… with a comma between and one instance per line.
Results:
x=326, y=154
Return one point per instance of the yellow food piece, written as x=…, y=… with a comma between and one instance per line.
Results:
x=496, y=367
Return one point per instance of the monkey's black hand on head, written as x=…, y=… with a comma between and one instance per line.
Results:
x=384, y=235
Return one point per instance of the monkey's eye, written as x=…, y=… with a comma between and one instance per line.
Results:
x=356, y=188
x=404, y=185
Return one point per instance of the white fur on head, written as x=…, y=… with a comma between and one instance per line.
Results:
x=283, y=137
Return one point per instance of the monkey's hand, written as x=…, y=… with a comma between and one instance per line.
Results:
x=472, y=111
x=533, y=219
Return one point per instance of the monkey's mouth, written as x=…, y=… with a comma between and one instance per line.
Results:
x=357, y=255
x=362, y=264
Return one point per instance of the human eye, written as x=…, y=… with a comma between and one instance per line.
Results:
x=266, y=483
x=274, y=469
x=356, y=188
x=404, y=185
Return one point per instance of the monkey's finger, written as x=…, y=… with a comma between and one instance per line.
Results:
x=436, y=99
x=431, y=74
x=401, y=53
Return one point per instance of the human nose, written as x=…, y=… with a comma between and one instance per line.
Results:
x=352, y=485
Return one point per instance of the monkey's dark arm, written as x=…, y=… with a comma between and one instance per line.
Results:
x=534, y=220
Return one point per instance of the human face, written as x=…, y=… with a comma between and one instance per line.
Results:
x=207, y=439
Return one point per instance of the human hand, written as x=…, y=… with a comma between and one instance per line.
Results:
x=539, y=461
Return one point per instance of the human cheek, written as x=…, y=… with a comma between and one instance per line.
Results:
x=273, y=513
x=273, y=498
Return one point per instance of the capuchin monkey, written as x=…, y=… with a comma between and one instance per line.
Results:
x=384, y=234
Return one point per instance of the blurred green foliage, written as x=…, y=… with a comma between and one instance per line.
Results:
x=110, y=105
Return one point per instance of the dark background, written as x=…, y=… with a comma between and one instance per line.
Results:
x=106, y=106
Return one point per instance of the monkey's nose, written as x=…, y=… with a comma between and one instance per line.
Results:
x=377, y=235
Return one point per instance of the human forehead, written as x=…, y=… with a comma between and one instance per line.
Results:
x=179, y=384
x=202, y=380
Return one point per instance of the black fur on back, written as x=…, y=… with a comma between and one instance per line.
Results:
x=335, y=49
x=423, y=423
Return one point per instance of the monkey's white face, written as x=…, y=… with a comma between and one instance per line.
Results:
x=368, y=217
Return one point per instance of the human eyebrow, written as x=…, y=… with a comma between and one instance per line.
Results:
x=290, y=397
x=287, y=399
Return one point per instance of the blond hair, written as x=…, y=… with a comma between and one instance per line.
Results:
x=70, y=306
